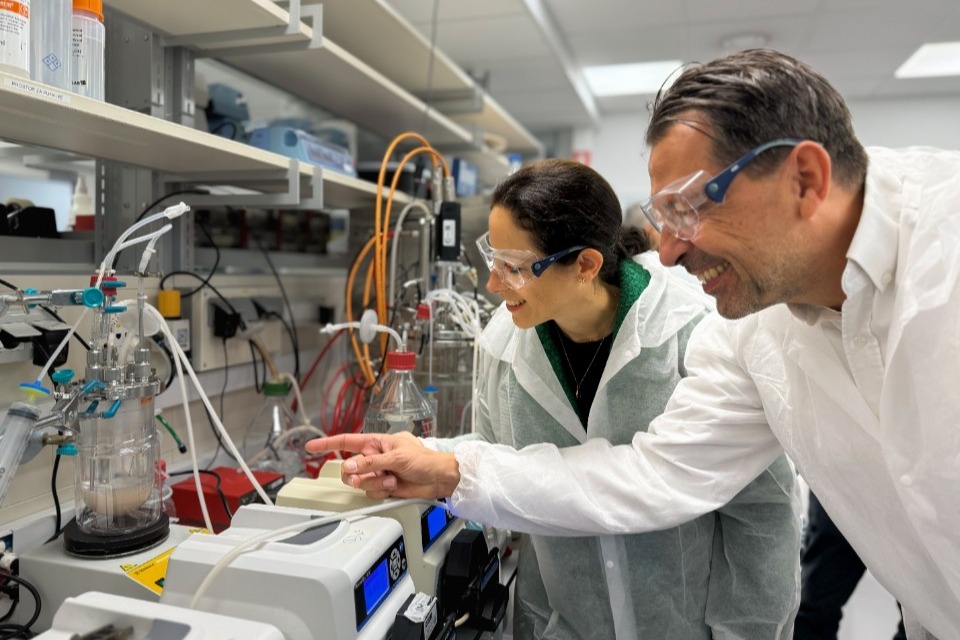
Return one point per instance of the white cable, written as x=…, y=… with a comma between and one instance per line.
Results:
x=228, y=442
x=296, y=391
x=396, y=242
x=254, y=542
x=201, y=496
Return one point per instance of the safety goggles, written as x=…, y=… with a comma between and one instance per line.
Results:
x=678, y=208
x=516, y=267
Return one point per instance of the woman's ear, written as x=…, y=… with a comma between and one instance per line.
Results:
x=589, y=263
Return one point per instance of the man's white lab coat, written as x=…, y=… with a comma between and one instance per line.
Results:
x=865, y=402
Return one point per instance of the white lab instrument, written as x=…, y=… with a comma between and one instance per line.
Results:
x=427, y=529
x=339, y=581
x=57, y=575
x=93, y=612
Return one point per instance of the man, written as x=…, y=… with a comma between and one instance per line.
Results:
x=844, y=273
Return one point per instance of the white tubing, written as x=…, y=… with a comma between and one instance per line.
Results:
x=296, y=391
x=228, y=442
x=282, y=439
x=256, y=541
x=201, y=496
x=396, y=242
x=170, y=213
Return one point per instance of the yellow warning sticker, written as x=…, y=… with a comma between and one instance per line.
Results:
x=151, y=573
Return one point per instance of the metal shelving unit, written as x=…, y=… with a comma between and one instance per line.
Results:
x=270, y=43
x=381, y=37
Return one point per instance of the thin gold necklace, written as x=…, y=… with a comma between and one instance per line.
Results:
x=576, y=393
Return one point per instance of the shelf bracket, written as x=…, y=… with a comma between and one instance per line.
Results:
x=293, y=190
x=455, y=101
x=285, y=37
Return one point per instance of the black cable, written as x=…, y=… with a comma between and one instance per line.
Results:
x=213, y=269
x=21, y=629
x=223, y=496
x=56, y=499
x=52, y=313
x=205, y=284
x=57, y=317
x=286, y=301
x=223, y=391
x=146, y=209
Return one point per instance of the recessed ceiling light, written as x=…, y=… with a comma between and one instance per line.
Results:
x=932, y=60
x=742, y=41
x=638, y=78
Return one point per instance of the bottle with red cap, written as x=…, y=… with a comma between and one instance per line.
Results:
x=400, y=405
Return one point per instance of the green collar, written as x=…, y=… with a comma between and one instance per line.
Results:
x=633, y=280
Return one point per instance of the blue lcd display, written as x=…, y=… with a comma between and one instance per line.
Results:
x=436, y=523
x=375, y=586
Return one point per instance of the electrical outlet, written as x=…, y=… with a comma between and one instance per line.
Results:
x=8, y=588
x=7, y=538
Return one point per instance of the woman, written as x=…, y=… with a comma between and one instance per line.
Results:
x=589, y=343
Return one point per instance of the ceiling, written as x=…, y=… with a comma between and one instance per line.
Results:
x=521, y=45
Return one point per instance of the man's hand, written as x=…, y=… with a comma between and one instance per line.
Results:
x=392, y=465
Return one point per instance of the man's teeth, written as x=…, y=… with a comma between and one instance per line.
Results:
x=712, y=272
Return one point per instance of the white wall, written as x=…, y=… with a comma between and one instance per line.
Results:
x=620, y=155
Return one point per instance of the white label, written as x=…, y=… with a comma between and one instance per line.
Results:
x=423, y=609
x=38, y=90
x=449, y=233
x=15, y=33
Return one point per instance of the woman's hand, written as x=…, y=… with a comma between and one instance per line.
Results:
x=392, y=465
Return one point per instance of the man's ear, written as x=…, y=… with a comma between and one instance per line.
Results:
x=814, y=171
x=589, y=262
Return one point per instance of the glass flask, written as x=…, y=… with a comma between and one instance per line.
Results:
x=272, y=422
x=118, y=483
x=399, y=404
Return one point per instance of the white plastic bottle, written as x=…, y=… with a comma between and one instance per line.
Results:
x=86, y=55
x=15, y=37
x=81, y=205
x=51, y=24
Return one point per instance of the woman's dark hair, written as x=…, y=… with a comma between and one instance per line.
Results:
x=758, y=95
x=564, y=203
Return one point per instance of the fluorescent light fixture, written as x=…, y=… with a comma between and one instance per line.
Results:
x=932, y=60
x=638, y=78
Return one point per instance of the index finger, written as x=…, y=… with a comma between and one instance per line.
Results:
x=352, y=442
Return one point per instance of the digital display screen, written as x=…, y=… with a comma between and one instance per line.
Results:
x=376, y=586
x=436, y=519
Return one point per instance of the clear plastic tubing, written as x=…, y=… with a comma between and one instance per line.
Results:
x=51, y=25
x=86, y=56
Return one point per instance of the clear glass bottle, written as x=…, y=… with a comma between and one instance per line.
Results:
x=272, y=423
x=118, y=486
x=399, y=404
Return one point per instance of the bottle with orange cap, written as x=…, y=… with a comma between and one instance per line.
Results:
x=399, y=404
x=86, y=52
